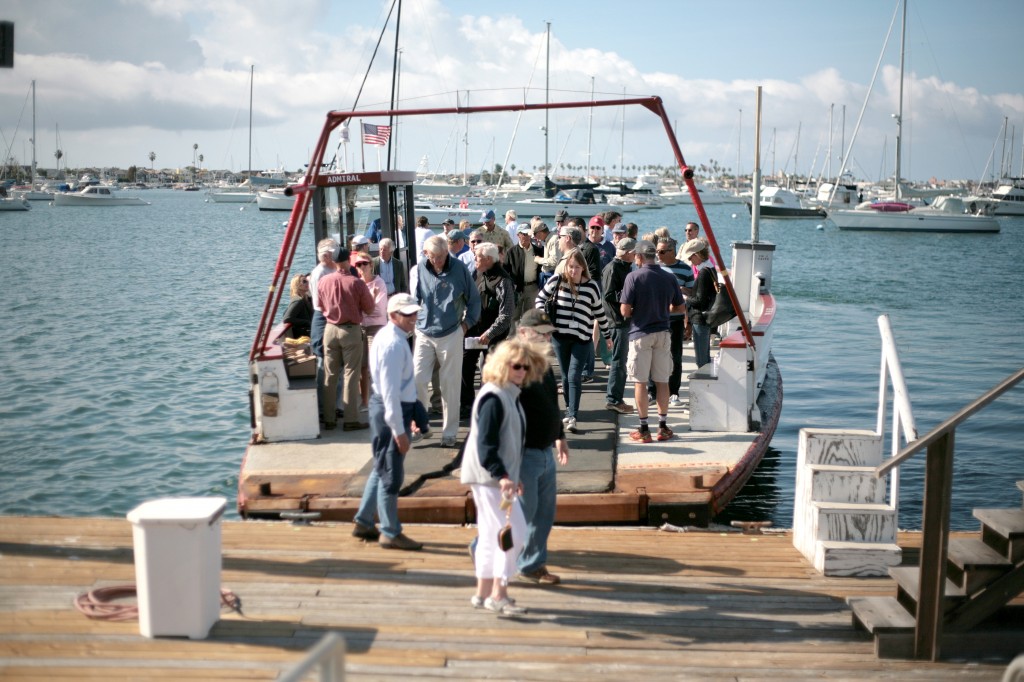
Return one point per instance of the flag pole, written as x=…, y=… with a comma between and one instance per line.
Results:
x=362, y=145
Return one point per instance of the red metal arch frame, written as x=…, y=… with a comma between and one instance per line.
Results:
x=336, y=118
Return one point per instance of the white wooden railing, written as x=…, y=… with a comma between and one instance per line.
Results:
x=902, y=413
x=328, y=655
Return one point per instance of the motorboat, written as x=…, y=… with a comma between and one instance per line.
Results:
x=274, y=199
x=96, y=195
x=944, y=214
x=244, y=193
x=779, y=202
x=1008, y=199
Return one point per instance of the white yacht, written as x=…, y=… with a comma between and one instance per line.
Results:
x=96, y=195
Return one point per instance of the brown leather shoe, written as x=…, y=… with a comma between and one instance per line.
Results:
x=400, y=541
x=539, y=577
x=355, y=426
x=365, y=532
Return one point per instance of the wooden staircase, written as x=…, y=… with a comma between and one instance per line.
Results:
x=842, y=522
x=982, y=577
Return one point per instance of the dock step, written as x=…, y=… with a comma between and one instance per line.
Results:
x=973, y=564
x=850, y=522
x=880, y=615
x=851, y=447
x=846, y=483
x=1003, y=530
x=908, y=589
x=860, y=559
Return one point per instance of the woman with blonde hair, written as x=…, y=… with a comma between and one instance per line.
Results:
x=300, y=308
x=577, y=304
x=491, y=465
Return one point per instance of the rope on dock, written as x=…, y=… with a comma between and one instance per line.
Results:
x=97, y=604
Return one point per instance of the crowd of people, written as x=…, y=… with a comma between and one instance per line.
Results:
x=473, y=332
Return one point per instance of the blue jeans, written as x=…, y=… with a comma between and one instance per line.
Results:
x=702, y=344
x=537, y=473
x=380, y=495
x=588, y=366
x=572, y=354
x=617, y=368
x=316, y=333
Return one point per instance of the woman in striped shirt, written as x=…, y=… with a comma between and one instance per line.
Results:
x=578, y=304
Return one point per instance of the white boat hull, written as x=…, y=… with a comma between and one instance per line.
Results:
x=912, y=221
x=274, y=201
x=96, y=196
x=232, y=197
x=13, y=204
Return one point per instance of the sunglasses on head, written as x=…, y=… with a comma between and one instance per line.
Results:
x=518, y=366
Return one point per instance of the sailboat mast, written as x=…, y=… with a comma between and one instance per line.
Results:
x=622, y=141
x=252, y=71
x=899, y=115
x=33, y=133
x=547, y=94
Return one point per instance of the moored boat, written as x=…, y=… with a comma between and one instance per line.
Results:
x=779, y=202
x=291, y=465
x=274, y=199
x=96, y=195
x=944, y=214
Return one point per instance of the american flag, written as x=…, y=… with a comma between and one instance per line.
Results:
x=376, y=134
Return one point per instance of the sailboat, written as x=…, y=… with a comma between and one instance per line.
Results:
x=944, y=214
x=244, y=193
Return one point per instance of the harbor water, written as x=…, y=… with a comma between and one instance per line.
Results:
x=127, y=331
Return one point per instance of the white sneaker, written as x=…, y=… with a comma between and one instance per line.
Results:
x=673, y=401
x=571, y=425
x=504, y=607
x=565, y=421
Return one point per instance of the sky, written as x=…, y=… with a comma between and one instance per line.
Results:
x=118, y=79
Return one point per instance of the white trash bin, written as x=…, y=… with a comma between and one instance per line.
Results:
x=177, y=565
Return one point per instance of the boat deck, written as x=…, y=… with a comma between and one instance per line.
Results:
x=635, y=603
x=609, y=478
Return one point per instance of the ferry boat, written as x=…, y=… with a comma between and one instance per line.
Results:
x=293, y=469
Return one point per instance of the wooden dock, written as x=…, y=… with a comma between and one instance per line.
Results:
x=636, y=603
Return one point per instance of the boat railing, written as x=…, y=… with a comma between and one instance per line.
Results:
x=938, y=494
x=902, y=413
x=328, y=656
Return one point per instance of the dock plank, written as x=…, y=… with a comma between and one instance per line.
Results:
x=635, y=602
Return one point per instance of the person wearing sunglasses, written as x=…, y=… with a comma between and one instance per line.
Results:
x=300, y=307
x=491, y=464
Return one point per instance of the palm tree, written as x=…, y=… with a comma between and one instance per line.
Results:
x=152, y=159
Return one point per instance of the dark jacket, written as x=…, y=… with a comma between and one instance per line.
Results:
x=515, y=263
x=401, y=274
x=612, y=279
x=543, y=416
x=593, y=257
x=703, y=297
x=300, y=316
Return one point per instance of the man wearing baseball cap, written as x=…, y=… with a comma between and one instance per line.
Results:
x=393, y=405
x=648, y=295
x=489, y=232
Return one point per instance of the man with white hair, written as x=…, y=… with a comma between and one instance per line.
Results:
x=392, y=406
x=391, y=269
x=450, y=305
x=511, y=224
x=325, y=266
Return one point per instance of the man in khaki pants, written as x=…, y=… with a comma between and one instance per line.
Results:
x=344, y=299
